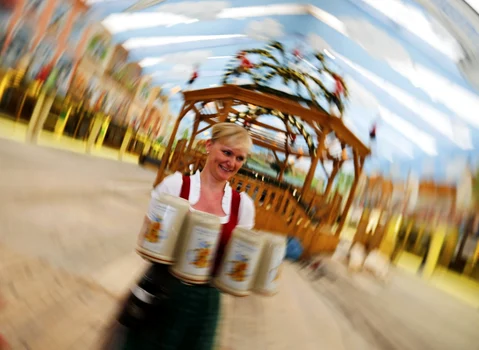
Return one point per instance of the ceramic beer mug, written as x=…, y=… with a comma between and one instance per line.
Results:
x=269, y=270
x=161, y=228
x=197, y=247
x=240, y=261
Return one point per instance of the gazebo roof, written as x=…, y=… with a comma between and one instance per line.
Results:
x=287, y=106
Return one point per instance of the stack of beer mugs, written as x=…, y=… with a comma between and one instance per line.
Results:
x=188, y=240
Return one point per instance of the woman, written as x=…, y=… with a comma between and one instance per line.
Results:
x=186, y=316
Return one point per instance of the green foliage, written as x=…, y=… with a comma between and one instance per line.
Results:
x=344, y=183
x=186, y=134
x=98, y=47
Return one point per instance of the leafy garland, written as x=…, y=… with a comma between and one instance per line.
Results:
x=276, y=62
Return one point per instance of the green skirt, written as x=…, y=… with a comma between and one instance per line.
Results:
x=187, y=321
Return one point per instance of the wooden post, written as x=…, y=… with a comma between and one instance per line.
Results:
x=314, y=161
x=331, y=178
x=196, y=125
x=167, y=153
x=283, y=168
x=223, y=114
x=309, y=178
x=358, y=168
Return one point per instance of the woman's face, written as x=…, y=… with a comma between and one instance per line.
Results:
x=225, y=159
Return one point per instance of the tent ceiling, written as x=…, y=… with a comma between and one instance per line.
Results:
x=400, y=63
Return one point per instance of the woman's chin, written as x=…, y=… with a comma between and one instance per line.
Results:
x=225, y=176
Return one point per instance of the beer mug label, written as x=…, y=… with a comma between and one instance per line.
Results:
x=274, y=273
x=201, y=251
x=157, y=228
x=240, y=265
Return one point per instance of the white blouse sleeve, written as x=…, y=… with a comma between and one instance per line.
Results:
x=170, y=185
x=246, y=212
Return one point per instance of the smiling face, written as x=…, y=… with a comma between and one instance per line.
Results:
x=225, y=158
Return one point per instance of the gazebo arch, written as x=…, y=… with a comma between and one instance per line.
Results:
x=294, y=211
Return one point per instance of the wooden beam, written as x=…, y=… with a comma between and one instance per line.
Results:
x=223, y=114
x=286, y=106
x=196, y=110
x=269, y=127
x=260, y=142
x=251, y=121
x=166, y=155
x=324, y=168
x=204, y=129
x=205, y=117
x=196, y=125
x=344, y=134
x=331, y=178
x=358, y=168
x=283, y=168
x=217, y=105
x=309, y=177
x=276, y=156
x=356, y=162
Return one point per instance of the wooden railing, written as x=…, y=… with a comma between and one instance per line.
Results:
x=278, y=209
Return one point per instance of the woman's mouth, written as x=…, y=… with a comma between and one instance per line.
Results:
x=225, y=169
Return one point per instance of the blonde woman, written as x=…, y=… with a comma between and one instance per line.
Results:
x=185, y=317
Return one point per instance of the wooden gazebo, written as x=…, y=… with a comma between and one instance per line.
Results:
x=294, y=211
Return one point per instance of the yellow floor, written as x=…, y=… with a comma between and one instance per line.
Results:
x=17, y=131
x=451, y=282
x=457, y=285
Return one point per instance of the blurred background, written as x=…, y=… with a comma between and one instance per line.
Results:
x=90, y=94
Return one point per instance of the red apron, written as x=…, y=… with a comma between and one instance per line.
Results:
x=227, y=228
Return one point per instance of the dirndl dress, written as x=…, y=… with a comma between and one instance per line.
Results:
x=164, y=313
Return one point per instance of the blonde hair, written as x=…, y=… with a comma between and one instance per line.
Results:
x=233, y=133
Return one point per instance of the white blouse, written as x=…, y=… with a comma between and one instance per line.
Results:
x=172, y=185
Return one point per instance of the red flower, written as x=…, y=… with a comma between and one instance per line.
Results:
x=339, y=87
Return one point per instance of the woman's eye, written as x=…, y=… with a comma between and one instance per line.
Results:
x=227, y=153
x=240, y=159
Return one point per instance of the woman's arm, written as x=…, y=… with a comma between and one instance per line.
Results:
x=170, y=185
x=247, y=212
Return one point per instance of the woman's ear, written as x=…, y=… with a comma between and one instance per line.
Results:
x=208, y=145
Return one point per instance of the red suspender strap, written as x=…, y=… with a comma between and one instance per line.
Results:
x=235, y=203
x=185, y=187
x=231, y=224
x=228, y=228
